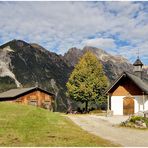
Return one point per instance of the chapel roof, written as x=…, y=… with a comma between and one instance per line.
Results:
x=141, y=83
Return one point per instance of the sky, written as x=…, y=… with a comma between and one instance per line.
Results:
x=120, y=28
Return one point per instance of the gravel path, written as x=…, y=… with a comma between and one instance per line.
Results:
x=104, y=127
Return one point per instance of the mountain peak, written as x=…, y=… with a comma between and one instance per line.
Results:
x=113, y=65
x=20, y=43
x=15, y=44
x=72, y=56
x=104, y=56
x=73, y=50
x=39, y=47
x=100, y=53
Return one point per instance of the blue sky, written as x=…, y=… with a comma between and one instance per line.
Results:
x=120, y=28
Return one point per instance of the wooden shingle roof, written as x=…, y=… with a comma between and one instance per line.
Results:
x=15, y=93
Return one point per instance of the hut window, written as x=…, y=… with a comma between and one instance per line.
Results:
x=33, y=102
x=18, y=101
x=46, y=104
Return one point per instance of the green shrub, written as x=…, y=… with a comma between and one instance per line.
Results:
x=136, y=118
x=146, y=121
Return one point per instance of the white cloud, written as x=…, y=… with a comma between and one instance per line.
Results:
x=103, y=43
x=61, y=25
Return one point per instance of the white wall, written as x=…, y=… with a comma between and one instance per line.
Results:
x=146, y=103
x=136, y=100
x=117, y=104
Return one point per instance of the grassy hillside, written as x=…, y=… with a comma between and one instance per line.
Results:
x=22, y=125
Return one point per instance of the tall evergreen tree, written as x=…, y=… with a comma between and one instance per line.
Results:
x=87, y=81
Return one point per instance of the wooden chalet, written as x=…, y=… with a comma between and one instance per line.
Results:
x=32, y=96
x=129, y=93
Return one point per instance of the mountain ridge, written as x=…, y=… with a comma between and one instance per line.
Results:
x=113, y=65
x=25, y=64
x=29, y=65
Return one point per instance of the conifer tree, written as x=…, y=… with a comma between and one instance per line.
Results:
x=87, y=82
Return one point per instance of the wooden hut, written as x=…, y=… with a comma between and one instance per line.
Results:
x=32, y=96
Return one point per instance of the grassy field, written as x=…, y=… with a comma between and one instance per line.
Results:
x=22, y=125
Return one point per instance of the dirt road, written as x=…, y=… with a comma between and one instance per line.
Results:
x=103, y=127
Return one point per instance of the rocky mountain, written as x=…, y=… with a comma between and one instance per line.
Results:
x=113, y=65
x=24, y=64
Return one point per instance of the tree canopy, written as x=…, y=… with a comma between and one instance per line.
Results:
x=87, y=82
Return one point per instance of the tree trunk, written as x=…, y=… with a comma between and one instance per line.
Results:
x=86, y=105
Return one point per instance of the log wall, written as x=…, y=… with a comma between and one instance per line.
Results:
x=36, y=98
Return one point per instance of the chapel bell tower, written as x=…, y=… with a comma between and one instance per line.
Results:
x=138, y=67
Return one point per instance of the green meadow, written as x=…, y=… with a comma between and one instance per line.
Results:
x=22, y=125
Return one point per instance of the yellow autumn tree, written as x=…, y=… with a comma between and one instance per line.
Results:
x=87, y=82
